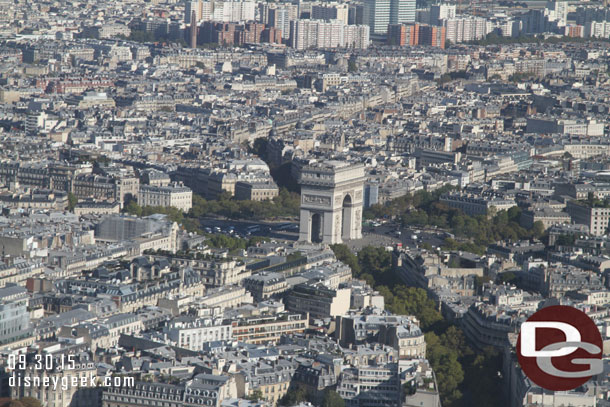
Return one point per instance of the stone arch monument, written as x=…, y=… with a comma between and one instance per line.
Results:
x=331, y=201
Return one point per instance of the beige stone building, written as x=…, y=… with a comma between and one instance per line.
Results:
x=176, y=196
x=256, y=191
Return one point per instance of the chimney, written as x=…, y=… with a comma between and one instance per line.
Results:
x=193, y=30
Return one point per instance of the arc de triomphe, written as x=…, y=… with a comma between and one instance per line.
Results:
x=331, y=201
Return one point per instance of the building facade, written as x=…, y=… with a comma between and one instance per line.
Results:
x=176, y=196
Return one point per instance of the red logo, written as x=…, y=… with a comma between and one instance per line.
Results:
x=560, y=348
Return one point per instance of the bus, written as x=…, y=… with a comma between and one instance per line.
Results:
x=253, y=229
x=284, y=226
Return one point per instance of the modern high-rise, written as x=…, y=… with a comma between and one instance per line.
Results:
x=202, y=10
x=379, y=14
x=463, y=29
x=280, y=18
x=416, y=34
x=557, y=11
x=440, y=12
x=402, y=11
x=330, y=12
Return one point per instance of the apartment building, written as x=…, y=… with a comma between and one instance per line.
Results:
x=269, y=328
x=192, y=333
x=14, y=316
x=400, y=332
x=476, y=205
x=370, y=386
x=256, y=191
x=595, y=218
x=318, y=301
x=305, y=34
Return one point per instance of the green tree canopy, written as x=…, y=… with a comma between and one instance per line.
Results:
x=332, y=399
x=72, y=201
x=255, y=395
x=294, y=395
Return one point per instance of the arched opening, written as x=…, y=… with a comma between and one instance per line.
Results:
x=346, y=221
x=316, y=228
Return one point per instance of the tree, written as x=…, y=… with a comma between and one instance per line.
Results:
x=376, y=262
x=409, y=388
x=538, y=229
x=565, y=240
x=449, y=372
x=133, y=208
x=255, y=395
x=259, y=147
x=508, y=277
x=454, y=263
x=294, y=395
x=352, y=66
x=332, y=399
x=141, y=36
x=343, y=253
x=72, y=201
x=294, y=256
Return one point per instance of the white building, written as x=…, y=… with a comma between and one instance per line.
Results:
x=597, y=29
x=558, y=11
x=192, y=334
x=476, y=205
x=220, y=10
x=464, y=29
x=175, y=195
x=306, y=34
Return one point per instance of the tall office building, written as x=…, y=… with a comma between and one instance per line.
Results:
x=557, y=11
x=330, y=12
x=379, y=14
x=281, y=17
x=355, y=14
x=441, y=12
x=402, y=11
x=202, y=10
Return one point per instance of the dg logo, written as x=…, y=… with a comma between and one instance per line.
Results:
x=560, y=348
